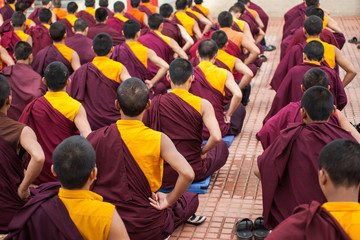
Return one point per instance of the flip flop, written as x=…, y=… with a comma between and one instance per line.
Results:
x=263, y=58
x=260, y=232
x=196, y=220
x=269, y=48
x=244, y=229
x=358, y=46
x=354, y=40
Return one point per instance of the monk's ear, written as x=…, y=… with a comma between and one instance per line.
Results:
x=92, y=49
x=44, y=81
x=11, y=24
x=168, y=77
x=302, y=88
x=93, y=174
x=304, y=31
x=111, y=50
x=9, y=100
x=161, y=27
x=65, y=36
x=197, y=54
x=68, y=81
x=322, y=178
x=52, y=171
x=191, y=78
x=148, y=105
x=304, y=57
x=303, y=113
x=226, y=44
x=117, y=105
x=72, y=29
x=333, y=111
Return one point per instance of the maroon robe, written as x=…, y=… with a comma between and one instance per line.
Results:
x=294, y=19
x=176, y=21
x=8, y=41
x=40, y=36
x=117, y=37
x=96, y=93
x=192, y=15
x=115, y=23
x=6, y=27
x=290, y=90
x=171, y=30
x=340, y=39
x=309, y=221
x=26, y=85
x=51, y=128
x=68, y=26
x=183, y=125
x=6, y=11
x=90, y=19
x=110, y=13
x=254, y=28
x=121, y=182
x=34, y=16
x=45, y=210
x=145, y=9
x=82, y=46
x=289, y=170
x=262, y=14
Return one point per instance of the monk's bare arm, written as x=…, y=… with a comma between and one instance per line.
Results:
x=29, y=142
x=260, y=36
x=196, y=31
x=177, y=49
x=236, y=96
x=253, y=49
x=5, y=57
x=82, y=122
x=145, y=21
x=346, y=125
x=247, y=31
x=187, y=38
x=124, y=74
x=245, y=71
x=346, y=65
x=117, y=229
x=210, y=121
x=75, y=61
x=53, y=17
x=29, y=40
x=333, y=25
x=259, y=21
x=155, y=59
x=32, y=23
x=1, y=20
x=205, y=21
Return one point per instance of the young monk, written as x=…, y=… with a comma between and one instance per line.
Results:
x=76, y=212
x=16, y=139
x=210, y=82
x=55, y=116
x=130, y=148
x=80, y=42
x=198, y=7
x=240, y=25
x=148, y=8
x=7, y=26
x=7, y=11
x=35, y=15
x=204, y=23
x=60, y=13
x=94, y=84
x=293, y=158
x=105, y=4
x=25, y=83
x=89, y=13
x=253, y=13
x=57, y=51
x=70, y=18
x=101, y=27
x=117, y=21
x=339, y=167
x=140, y=16
x=135, y=57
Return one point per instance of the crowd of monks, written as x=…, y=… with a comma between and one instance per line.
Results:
x=144, y=88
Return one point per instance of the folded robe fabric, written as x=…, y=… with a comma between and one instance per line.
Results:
x=117, y=37
x=68, y=26
x=82, y=46
x=87, y=16
x=41, y=38
x=6, y=12
x=262, y=14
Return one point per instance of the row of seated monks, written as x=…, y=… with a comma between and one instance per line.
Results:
x=124, y=82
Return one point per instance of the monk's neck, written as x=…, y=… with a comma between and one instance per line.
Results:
x=343, y=194
x=311, y=37
x=207, y=60
x=131, y=40
x=308, y=121
x=100, y=22
x=183, y=86
x=119, y=13
x=4, y=109
x=137, y=118
x=18, y=29
x=27, y=61
x=182, y=10
x=81, y=33
x=61, y=42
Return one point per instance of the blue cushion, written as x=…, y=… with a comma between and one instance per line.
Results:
x=228, y=139
x=198, y=187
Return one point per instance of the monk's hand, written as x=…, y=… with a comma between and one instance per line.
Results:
x=175, y=55
x=149, y=84
x=23, y=192
x=245, y=51
x=227, y=118
x=203, y=156
x=159, y=201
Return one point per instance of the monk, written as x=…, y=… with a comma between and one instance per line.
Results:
x=135, y=57
x=210, y=82
x=204, y=23
x=140, y=16
x=94, y=84
x=101, y=27
x=57, y=51
x=60, y=13
x=254, y=13
x=198, y=7
x=339, y=181
x=262, y=14
x=89, y=13
x=7, y=26
x=117, y=21
x=148, y=8
x=16, y=139
x=80, y=42
x=40, y=34
x=81, y=214
x=296, y=178
x=173, y=30
x=25, y=83
x=289, y=90
x=138, y=152
x=35, y=15
x=7, y=11
x=55, y=116
x=70, y=18
x=105, y=4
x=237, y=10
x=313, y=26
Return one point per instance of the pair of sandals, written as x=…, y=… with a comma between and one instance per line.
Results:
x=268, y=48
x=354, y=40
x=246, y=229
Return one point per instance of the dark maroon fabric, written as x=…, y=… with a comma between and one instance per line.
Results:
x=340, y=39
x=6, y=27
x=171, y=30
x=121, y=182
x=11, y=175
x=309, y=221
x=48, y=55
x=115, y=23
x=8, y=41
x=288, y=114
x=196, y=9
x=26, y=85
x=51, y=128
x=87, y=16
x=34, y=16
x=117, y=37
x=41, y=38
x=44, y=217
x=128, y=16
x=262, y=14
x=294, y=19
x=145, y=9
x=96, y=93
x=254, y=28
x=110, y=13
x=6, y=12
x=289, y=170
x=82, y=45
x=290, y=90
x=68, y=26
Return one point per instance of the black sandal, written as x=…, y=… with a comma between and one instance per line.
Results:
x=244, y=229
x=260, y=232
x=354, y=40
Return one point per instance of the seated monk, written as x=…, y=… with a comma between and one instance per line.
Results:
x=57, y=51
x=16, y=139
x=140, y=16
x=288, y=167
x=101, y=27
x=80, y=42
x=60, y=13
x=105, y=4
x=202, y=10
x=35, y=15
x=262, y=14
x=117, y=21
x=289, y=90
x=204, y=23
x=135, y=57
x=210, y=83
x=148, y=8
x=70, y=18
x=170, y=113
x=253, y=13
x=138, y=153
x=5, y=58
x=7, y=26
x=40, y=33
x=173, y=30
x=89, y=13
x=94, y=84
x=25, y=83
x=291, y=112
x=7, y=11
x=76, y=212
x=240, y=25
x=313, y=26
x=338, y=218
x=54, y=116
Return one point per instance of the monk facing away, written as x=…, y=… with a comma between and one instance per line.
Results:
x=71, y=211
x=140, y=16
x=105, y=4
x=89, y=13
x=338, y=218
x=70, y=18
x=130, y=159
x=288, y=167
x=16, y=139
x=148, y=8
x=118, y=19
x=35, y=15
x=55, y=116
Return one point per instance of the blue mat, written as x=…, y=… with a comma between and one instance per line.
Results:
x=199, y=187
x=228, y=139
